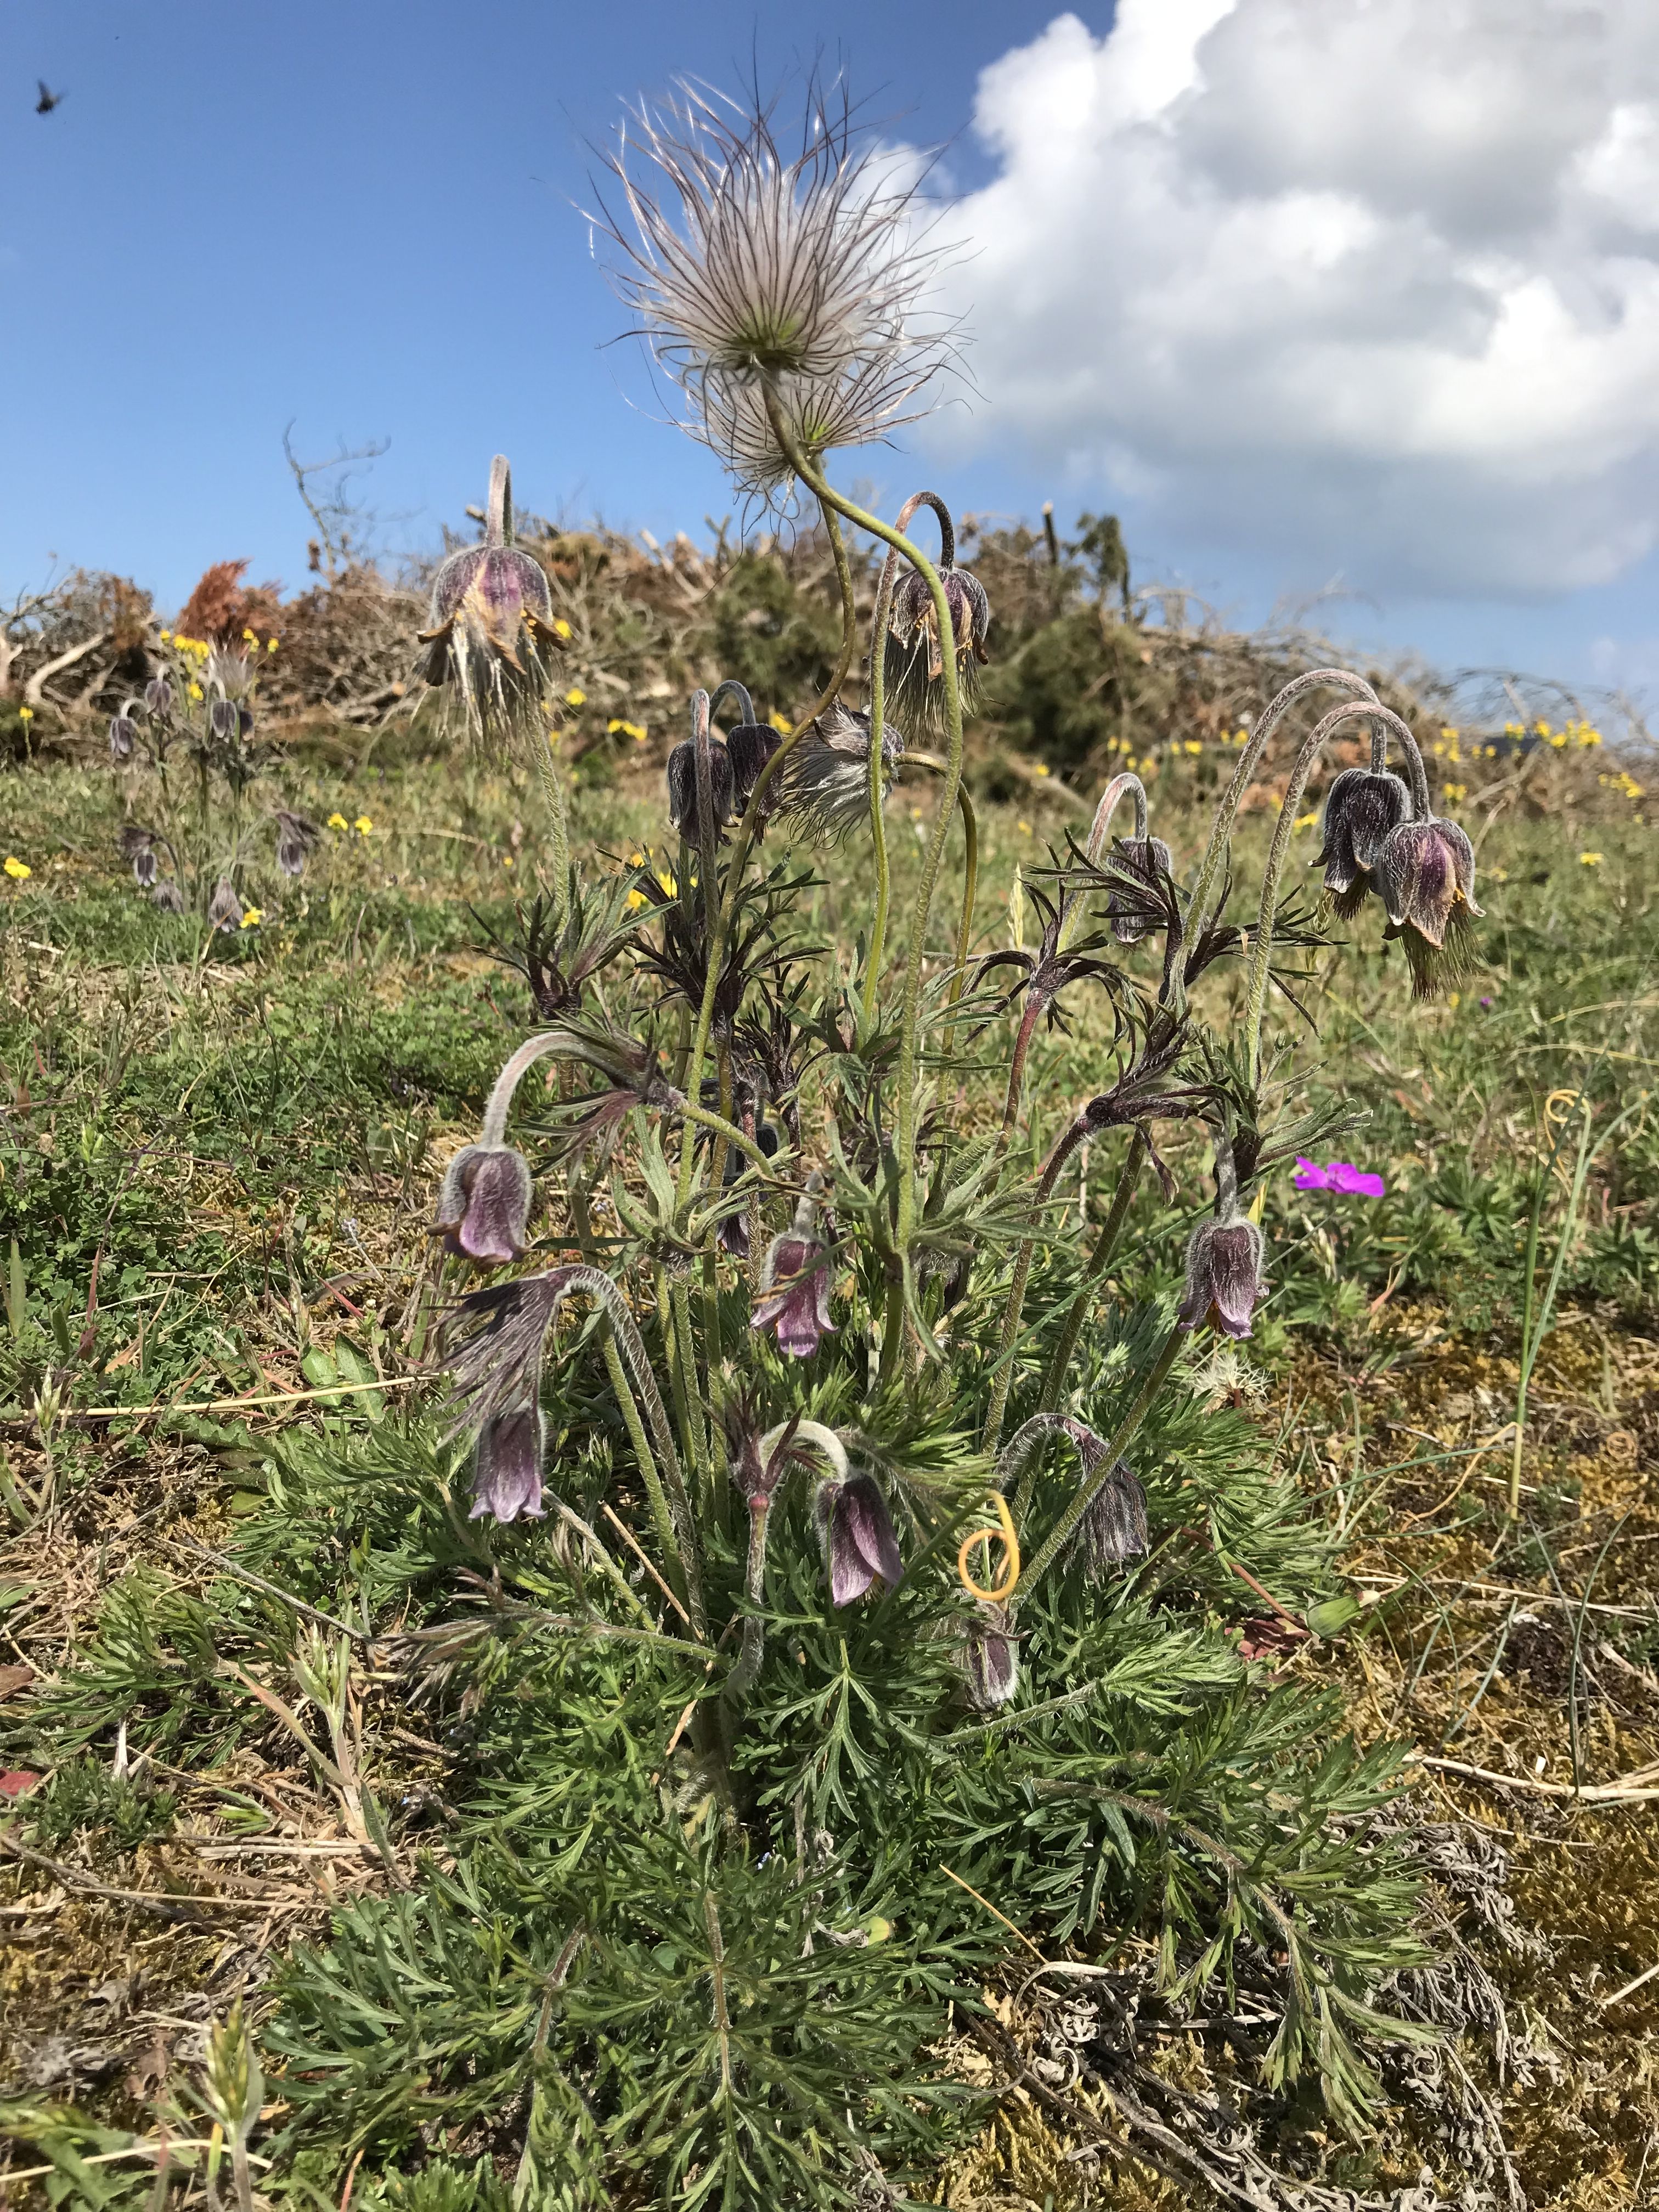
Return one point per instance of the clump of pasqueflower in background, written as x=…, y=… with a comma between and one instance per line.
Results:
x=187, y=749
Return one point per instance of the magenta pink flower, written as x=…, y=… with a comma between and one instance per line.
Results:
x=1338, y=1175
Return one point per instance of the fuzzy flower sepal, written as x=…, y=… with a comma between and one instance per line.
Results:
x=1362, y=807
x=1225, y=1281
x=483, y=1208
x=856, y=1531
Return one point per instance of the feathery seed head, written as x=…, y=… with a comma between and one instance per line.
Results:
x=781, y=292
x=826, y=779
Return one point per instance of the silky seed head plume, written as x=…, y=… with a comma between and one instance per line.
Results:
x=826, y=779
x=756, y=274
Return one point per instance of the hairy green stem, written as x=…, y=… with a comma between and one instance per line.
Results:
x=1002, y=1380
x=1117, y=1445
x=745, y=834
x=911, y=1005
x=1099, y=1260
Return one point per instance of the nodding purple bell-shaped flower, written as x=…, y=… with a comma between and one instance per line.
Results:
x=794, y=1286
x=856, y=1531
x=224, y=719
x=158, y=696
x=1362, y=806
x=168, y=896
x=507, y=1466
x=682, y=786
x=139, y=845
x=1144, y=860
x=484, y=1207
x=225, y=908
x=1224, y=1279
x=123, y=734
x=990, y=1657
x=1426, y=873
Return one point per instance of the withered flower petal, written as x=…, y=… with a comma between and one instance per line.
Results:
x=1114, y=1524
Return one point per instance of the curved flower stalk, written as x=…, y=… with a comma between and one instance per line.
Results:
x=760, y=1465
x=1226, y=812
x=912, y=652
x=496, y=1342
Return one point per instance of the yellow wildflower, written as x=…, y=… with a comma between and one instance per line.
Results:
x=1454, y=792
x=195, y=690
x=1039, y=767
x=1590, y=859
x=665, y=878
x=362, y=825
x=635, y=900
x=248, y=638
x=1024, y=827
x=253, y=917
x=26, y=713
x=507, y=860
x=18, y=871
x=1194, y=745
x=166, y=637
x=561, y=627
x=1306, y=821
x=636, y=860
x=338, y=822
x=779, y=722
x=270, y=645
x=575, y=696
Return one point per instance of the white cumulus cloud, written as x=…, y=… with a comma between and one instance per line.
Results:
x=1366, y=285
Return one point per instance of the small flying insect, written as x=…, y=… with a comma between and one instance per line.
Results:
x=47, y=101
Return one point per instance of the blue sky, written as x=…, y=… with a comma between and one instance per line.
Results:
x=360, y=217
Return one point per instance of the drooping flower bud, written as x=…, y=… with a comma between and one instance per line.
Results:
x=750, y=747
x=856, y=1531
x=123, y=734
x=1426, y=873
x=138, y=846
x=1144, y=861
x=1224, y=1279
x=225, y=909
x=795, y=1284
x=1361, y=807
x=296, y=835
x=490, y=625
x=484, y=1207
x=507, y=1466
x=682, y=786
x=224, y=719
x=990, y=1658
x=158, y=696
x=1114, y=1524
x=168, y=896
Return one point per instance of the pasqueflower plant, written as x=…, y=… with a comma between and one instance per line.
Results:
x=860, y=1545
